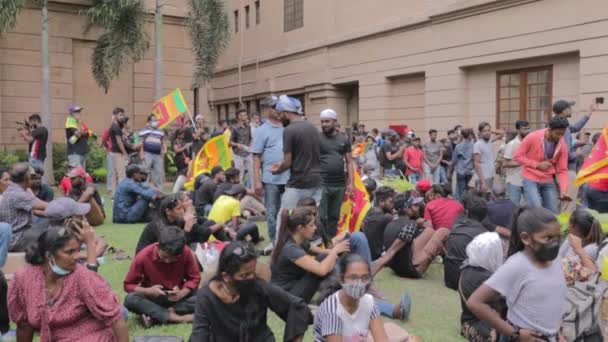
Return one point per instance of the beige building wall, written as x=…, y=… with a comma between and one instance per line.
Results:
x=428, y=64
x=71, y=78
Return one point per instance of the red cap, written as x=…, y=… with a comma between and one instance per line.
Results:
x=423, y=185
x=77, y=172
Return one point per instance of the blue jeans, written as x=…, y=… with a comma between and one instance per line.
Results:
x=272, y=202
x=541, y=195
x=391, y=173
x=75, y=160
x=109, y=173
x=414, y=178
x=515, y=192
x=462, y=184
x=5, y=239
x=156, y=165
x=435, y=175
x=36, y=163
x=135, y=213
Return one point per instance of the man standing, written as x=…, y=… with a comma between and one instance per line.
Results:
x=106, y=143
x=391, y=155
x=201, y=134
x=120, y=157
x=513, y=168
x=268, y=150
x=335, y=157
x=301, y=149
x=240, y=139
x=462, y=162
x=36, y=136
x=564, y=109
x=77, y=136
x=414, y=159
x=484, y=157
x=543, y=155
x=432, y=157
x=154, y=147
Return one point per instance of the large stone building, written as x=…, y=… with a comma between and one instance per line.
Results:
x=71, y=78
x=424, y=63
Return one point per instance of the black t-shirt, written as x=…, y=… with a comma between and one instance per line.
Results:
x=374, y=225
x=285, y=273
x=333, y=149
x=46, y=193
x=205, y=193
x=37, y=148
x=81, y=147
x=463, y=232
x=401, y=263
x=500, y=212
x=220, y=189
x=301, y=139
x=115, y=135
x=471, y=279
x=392, y=148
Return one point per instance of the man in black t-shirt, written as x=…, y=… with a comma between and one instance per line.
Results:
x=335, y=158
x=36, y=136
x=391, y=155
x=204, y=195
x=77, y=137
x=120, y=157
x=301, y=149
x=377, y=219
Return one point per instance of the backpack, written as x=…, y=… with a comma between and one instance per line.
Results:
x=581, y=319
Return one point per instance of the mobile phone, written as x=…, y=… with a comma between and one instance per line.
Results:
x=599, y=100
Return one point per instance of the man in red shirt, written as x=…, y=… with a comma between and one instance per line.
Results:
x=440, y=211
x=414, y=159
x=163, y=279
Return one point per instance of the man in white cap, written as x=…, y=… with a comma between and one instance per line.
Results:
x=301, y=154
x=335, y=154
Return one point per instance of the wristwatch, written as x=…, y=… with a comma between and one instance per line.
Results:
x=515, y=334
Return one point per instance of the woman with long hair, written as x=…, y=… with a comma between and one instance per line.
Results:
x=579, y=252
x=234, y=305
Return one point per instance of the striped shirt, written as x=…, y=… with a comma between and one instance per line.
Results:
x=535, y=296
x=333, y=319
x=565, y=251
x=152, y=140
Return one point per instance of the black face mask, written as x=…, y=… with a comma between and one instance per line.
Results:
x=245, y=287
x=546, y=251
x=285, y=122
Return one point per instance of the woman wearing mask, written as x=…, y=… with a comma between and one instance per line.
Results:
x=484, y=256
x=579, y=252
x=531, y=281
x=234, y=306
x=350, y=314
x=60, y=298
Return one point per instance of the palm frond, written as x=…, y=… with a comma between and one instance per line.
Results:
x=124, y=41
x=9, y=9
x=209, y=32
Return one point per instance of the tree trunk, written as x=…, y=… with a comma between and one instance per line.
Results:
x=158, y=58
x=45, y=99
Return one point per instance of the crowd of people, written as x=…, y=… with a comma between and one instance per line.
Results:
x=483, y=204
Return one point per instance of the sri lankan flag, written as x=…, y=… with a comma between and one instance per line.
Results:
x=354, y=208
x=170, y=108
x=71, y=122
x=595, y=167
x=361, y=148
x=214, y=152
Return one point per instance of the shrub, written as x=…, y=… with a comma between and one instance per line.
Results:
x=96, y=158
x=99, y=174
x=8, y=158
x=60, y=161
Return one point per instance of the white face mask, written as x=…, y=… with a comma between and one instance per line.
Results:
x=357, y=289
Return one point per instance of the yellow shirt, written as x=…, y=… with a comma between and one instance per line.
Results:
x=224, y=209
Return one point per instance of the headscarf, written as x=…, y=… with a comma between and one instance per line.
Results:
x=485, y=251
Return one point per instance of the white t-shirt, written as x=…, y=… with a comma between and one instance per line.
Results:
x=333, y=319
x=513, y=173
x=487, y=157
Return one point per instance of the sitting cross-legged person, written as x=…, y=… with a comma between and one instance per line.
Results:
x=133, y=196
x=378, y=218
x=84, y=192
x=441, y=211
x=410, y=243
x=227, y=209
x=203, y=196
x=162, y=280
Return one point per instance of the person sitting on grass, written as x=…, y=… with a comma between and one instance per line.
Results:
x=466, y=228
x=227, y=210
x=162, y=281
x=350, y=313
x=204, y=195
x=484, y=257
x=84, y=192
x=378, y=218
x=441, y=211
x=59, y=298
x=40, y=190
x=173, y=212
x=581, y=249
x=133, y=196
x=234, y=306
x=411, y=245
x=251, y=204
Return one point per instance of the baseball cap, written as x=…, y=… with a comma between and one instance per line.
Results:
x=236, y=189
x=561, y=105
x=289, y=104
x=414, y=201
x=75, y=108
x=423, y=185
x=77, y=172
x=216, y=170
x=269, y=101
x=64, y=207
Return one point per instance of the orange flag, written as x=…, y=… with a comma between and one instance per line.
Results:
x=595, y=167
x=354, y=208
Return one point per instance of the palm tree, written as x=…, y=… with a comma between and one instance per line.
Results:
x=9, y=10
x=209, y=32
x=125, y=40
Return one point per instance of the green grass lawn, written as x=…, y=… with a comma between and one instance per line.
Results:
x=435, y=309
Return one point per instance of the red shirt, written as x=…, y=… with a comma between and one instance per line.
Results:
x=442, y=212
x=414, y=157
x=148, y=270
x=600, y=185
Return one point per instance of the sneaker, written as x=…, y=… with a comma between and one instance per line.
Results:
x=268, y=249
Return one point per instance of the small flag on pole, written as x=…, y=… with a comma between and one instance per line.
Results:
x=214, y=152
x=170, y=108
